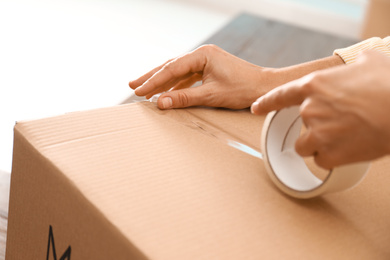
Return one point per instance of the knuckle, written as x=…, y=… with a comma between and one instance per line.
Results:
x=182, y=99
x=369, y=56
x=168, y=65
x=307, y=89
x=366, y=54
x=306, y=109
x=170, y=69
x=208, y=48
x=312, y=82
x=299, y=147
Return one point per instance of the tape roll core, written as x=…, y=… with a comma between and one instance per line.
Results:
x=288, y=170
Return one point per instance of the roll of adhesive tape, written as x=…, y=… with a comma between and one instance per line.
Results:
x=288, y=170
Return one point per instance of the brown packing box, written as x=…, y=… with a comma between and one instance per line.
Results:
x=134, y=182
x=377, y=19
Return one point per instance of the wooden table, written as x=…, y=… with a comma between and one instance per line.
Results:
x=255, y=39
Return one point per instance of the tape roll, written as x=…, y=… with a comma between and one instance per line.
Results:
x=289, y=171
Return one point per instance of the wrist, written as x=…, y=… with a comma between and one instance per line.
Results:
x=287, y=74
x=269, y=79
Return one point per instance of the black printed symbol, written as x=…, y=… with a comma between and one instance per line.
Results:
x=50, y=244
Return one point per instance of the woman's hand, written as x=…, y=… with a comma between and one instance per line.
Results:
x=227, y=81
x=345, y=109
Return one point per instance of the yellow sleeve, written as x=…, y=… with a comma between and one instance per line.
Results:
x=350, y=53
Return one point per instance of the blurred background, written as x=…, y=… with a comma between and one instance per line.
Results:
x=61, y=56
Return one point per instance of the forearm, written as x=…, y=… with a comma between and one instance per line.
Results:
x=346, y=55
x=280, y=76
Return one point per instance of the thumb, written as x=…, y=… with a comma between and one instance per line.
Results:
x=182, y=98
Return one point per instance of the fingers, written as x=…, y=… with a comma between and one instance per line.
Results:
x=141, y=80
x=188, y=82
x=292, y=93
x=176, y=84
x=171, y=73
x=184, y=98
x=164, y=87
x=305, y=144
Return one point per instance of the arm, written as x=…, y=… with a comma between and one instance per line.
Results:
x=227, y=81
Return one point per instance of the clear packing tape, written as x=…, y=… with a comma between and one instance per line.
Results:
x=191, y=120
x=285, y=167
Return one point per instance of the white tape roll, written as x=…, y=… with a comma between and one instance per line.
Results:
x=288, y=170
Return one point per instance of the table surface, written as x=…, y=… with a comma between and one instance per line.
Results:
x=260, y=41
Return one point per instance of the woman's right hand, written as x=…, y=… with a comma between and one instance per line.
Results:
x=345, y=110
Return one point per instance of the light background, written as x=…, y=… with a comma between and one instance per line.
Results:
x=61, y=56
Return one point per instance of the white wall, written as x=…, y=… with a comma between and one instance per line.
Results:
x=341, y=17
x=68, y=55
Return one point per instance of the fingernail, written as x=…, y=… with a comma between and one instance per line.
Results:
x=166, y=102
x=254, y=104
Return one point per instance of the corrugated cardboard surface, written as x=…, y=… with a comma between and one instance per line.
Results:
x=132, y=181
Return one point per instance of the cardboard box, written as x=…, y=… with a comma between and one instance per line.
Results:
x=134, y=182
x=377, y=19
